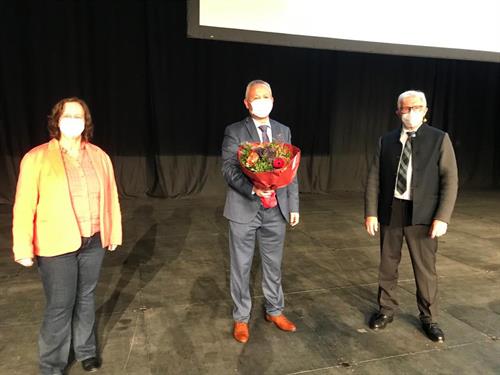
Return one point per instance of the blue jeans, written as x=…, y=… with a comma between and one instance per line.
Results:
x=69, y=282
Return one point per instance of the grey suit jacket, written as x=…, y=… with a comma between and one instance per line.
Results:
x=241, y=205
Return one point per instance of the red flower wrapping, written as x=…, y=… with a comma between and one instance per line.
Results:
x=275, y=179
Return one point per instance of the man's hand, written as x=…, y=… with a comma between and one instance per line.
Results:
x=294, y=218
x=262, y=193
x=112, y=247
x=26, y=262
x=438, y=228
x=371, y=225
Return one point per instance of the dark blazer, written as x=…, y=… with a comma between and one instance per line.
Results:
x=434, y=182
x=241, y=205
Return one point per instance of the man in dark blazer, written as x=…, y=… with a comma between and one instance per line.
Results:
x=411, y=191
x=249, y=220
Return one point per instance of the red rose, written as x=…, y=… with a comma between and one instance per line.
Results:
x=278, y=163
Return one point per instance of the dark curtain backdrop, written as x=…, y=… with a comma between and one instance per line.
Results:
x=160, y=101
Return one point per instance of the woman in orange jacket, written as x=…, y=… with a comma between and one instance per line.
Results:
x=66, y=213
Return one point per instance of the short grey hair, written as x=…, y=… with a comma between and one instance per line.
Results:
x=418, y=94
x=257, y=82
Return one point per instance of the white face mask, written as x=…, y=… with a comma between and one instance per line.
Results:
x=412, y=119
x=261, y=107
x=71, y=127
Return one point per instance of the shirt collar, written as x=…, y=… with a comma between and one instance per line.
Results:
x=404, y=130
x=257, y=124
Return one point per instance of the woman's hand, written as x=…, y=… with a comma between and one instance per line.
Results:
x=26, y=262
x=112, y=247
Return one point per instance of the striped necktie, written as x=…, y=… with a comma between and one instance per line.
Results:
x=403, y=165
x=263, y=129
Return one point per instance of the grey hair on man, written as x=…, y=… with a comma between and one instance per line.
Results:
x=257, y=82
x=416, y=93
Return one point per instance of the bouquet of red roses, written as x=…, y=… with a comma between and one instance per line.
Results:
x=270, y=166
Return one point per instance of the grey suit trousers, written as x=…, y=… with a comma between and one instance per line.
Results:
x=268, y=227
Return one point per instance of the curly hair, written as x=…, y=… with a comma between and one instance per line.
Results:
x=57, y=111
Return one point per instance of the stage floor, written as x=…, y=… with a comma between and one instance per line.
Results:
x=164, y=305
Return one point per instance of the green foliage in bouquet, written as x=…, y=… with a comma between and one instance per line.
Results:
x=264, y=157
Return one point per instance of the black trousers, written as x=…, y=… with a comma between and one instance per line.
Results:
x=423, y=258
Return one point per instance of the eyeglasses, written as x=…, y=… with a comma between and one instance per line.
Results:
x=416, y=108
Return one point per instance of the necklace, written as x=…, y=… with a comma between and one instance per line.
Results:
x=73, y=153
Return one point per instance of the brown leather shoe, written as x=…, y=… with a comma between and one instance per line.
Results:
x=240, y=332
x=281, y=322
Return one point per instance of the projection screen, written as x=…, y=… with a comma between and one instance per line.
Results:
x=468, y=30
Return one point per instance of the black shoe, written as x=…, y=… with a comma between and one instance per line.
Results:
x=379, y=321
x=91, y=364
x=433, y=332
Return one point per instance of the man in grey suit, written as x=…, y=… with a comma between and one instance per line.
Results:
x=411, y=190
x=249, y=220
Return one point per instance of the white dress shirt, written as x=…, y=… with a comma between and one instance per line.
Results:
x=269, y=133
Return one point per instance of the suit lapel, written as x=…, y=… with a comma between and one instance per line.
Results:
x=55, y=158
x=252, y=130
x=277, y=132
x=95, y=160
x=397, y=135
x=56, y=165
x=394, y=149
x=417, y=144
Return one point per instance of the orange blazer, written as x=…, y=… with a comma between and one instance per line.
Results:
x=44, y=222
